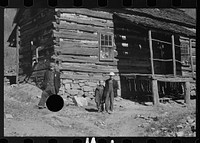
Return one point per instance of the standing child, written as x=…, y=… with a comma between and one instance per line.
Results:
x=99, y=99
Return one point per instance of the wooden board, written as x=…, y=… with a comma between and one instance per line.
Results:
x=84, y=59
x=86, y=21
x=69, y=44
x=88, y=12
x=73, y=35
x=176, y=79
x=74, y=26
x=78, y=51
x=86, y=77
x=87, y=68
x=104, y=69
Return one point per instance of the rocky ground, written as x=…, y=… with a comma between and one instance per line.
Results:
x=22, y=118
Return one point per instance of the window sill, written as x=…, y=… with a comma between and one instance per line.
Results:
x=106, y=60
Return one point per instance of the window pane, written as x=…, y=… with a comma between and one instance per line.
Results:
x=106, y=37
x=110, y=38
x=102, y=37
x=110, y=43
x=194, y=60
x=193, y=51
x=102, y=43
x=106, y=53
x=106, y=42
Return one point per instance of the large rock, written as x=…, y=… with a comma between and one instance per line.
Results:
x=92, y=84
x=80, y=101
x=91, y=93
x=75, y=81
x=67, y=81
x=81, y=84
x=179, y=134
x=189, y=120
x=67, y=86
x=73, y=92
x=80, y=93
x=87, y=88
x=86, y=94
x=66, y=94
x=82, y=81
x=68, y=101
x=75, y=86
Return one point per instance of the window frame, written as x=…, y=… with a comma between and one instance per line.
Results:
x=185, y=53
x=111, y=47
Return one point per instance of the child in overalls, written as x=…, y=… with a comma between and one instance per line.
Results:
x=99, y=98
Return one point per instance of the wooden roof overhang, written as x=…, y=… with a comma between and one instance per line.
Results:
x=159, y=26
x=170, y=15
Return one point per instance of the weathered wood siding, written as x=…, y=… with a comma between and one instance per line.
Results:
x=78, y=49
x=35, y=23
x=132, y=48
x=77, y=33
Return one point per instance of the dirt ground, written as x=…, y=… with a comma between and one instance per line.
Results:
x=22, y=118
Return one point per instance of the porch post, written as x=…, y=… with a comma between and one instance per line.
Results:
x=17, y=55
x=190, y=47
x=155, y=92
x=174, y=56
x=151, y=53
x=187, y=93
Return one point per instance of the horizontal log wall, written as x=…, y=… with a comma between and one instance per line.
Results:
x=78, y=49
x=39, y=25
x=78, y=32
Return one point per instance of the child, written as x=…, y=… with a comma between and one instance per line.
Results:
x=99, y=98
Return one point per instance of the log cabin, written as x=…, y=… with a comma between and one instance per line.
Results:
x=142, y=46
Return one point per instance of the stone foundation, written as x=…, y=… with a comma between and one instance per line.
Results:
x=82, y=88
x=78, y=88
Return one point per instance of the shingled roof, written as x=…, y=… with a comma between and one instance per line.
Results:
x=171, y=15
x=150, y=23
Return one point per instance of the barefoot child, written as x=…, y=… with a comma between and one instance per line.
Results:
x=99, y=96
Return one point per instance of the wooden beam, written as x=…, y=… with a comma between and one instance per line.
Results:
x=17, y=55
x=70, y=26
x=87, y=68
x=172, y=79
x=174, y=56
x=187, y=93
x=87, y=12
x=74, y=35
x=78, y=51
x=85, y=21
x=70, y=44
x=155, y=92
x=151, y=52
x=192, y=67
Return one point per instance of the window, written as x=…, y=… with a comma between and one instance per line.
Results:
x=106, y=47
x=185, y=53
x=194, y=60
